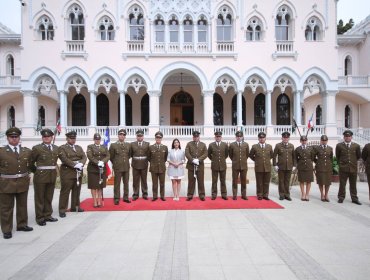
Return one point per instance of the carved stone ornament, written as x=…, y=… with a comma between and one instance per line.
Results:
x=180, y=7
x=107, y=83
x=78, y=83
x=46, y=83
x=313, y=84
x=283, y=82
x=253, y=83
x=136, y=82
x=225, y=82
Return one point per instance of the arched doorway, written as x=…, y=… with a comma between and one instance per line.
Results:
x=79, y=110
x=234, y=116
x=102, y=110
x=218, y=109
x=128, y=103
x=11, y=117
x=182, y=109
x=259, y=110
x=145, y=110
x=283, y=110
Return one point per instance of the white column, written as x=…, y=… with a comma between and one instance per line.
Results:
x=30, y=108
x=154, y=107
x=122, y=106
x=151, y=25
x=239, y=108
x=195, y=36
x=63, y=108
x=208, y=107
x=166, y=35
x=92, y=108
x=330, y=117
x=297, y=107
x=181, y=35
x=268, y=108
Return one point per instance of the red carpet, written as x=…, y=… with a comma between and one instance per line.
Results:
x=182, y=204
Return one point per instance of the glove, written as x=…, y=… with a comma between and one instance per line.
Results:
x=276, y=168
x=294, y=169
x=196, y=161
x=100, y=163
x=78, y=166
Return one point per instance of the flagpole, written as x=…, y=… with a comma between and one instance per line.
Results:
x=296, y=126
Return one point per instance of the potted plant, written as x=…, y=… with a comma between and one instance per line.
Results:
x=335, y=166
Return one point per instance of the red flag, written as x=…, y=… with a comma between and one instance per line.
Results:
x=106, y=143
x=59, y=127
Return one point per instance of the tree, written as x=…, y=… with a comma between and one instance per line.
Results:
x=341, y=28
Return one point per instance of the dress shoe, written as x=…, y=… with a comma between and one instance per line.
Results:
x=224, y=198
x=259, y=198
x=145, y=197
x=288, y=198
x=202, y=198
x=7, y=235
x=25, y=228
x=281, y=197
x=245, y=197
x=356, y=202
x=41, y=223
x=213, y=198
x=163, y=199
x=62, y=215
x=323, y=199
x=266, y=198
x=77, y=210
x=51, y=219
x=154, y=198
x=189, y=198
x=234, y=198
x=126, y=200
x=340, y=200
x=134, y=198
x=327, y=200
x=303, y=199
x=116, y=201
x=307, y=199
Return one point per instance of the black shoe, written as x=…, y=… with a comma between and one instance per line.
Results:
x=340, y=200
x=7, y=235
x=154, y=198
x=245, y=197
x=202, y=199
x=213, y=198
x=62, y=215
x=356, y=202
x=189, y=198
x=76, y=210
x=134, y=198
x=224, y=198
x=288, y=198
x=281, y=197
x=51, y=219
x=41, y=223
x=266, y=198
x=145, y=197
x=234, y=198
x=327, y=200
x=116, y=201
x=126, y=200
x=259, y=198
x=163, y=199
x=25, y=228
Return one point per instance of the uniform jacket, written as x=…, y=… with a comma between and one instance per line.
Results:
x=304, y=158
x=366, y=157
x=284, y=156
x=11, y=164
x=348, y=157
x=120, y=156
x=261, y=157
x=69, y=158
x=218, y=155
x=239, y=155
x=157, y=158
x=194, y=151
x=95, y=154
x=323, y=158
x=137, y=151
x=42, y=156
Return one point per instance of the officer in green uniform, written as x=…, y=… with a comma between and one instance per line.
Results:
x=284, y=163
x=15, y=165
x=44, y=158
x=73, y=159
x=323, y=166
x=196, y=153
x=239, y=153
x=348, y=153
x=218, y=152
x=120, y=153
x=157, y=157
x=262, y=154
x=366, y=158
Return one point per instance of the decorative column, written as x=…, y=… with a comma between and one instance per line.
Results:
x=30, y=112
x=63, y=108
x=330, y=114
x=92, y=107
x=122, y=106
x=166, y=36
x=181, y=35
x=154, y=107
x=239, y=108
x=268, y=108
x=297, y=107
x=195, y=36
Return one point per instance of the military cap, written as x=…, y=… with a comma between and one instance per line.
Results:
x=46, y=132
x=97, y=136
x=324, y=138
x=347, y=133
x=72, y=134
x=196, y=133
x=262, y=135
x=140, y=132
x=13, y=131
x=239, y=133
x=122, y=131
x=285, y=134
x=218, y=133
x=303, y=138
x=158, y=134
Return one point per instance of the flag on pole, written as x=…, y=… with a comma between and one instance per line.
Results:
x=39, y=125
x=58, y=128
x=310, y=124
x=106, y=143
x=294, y=126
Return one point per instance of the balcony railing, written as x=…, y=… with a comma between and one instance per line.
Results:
x=10, y=81
x=225, y=46
x=135, y=46
x=75, y=46
x=202, y=47
x=284, y=46
x=180, y=130
x=173, y=47
x=356, y=81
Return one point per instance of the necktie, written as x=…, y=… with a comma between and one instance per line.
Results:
x=49, y=147
x=157, y=147
x=347, y=145
x=263, y=146
x=239, y=144
x=15, y=151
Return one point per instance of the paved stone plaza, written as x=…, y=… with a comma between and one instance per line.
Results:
x=306, y=240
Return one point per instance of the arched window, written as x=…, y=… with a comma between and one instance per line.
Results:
x=283, y=110
x=106, y=29
x=234, y=114
x=202, y=30
x=283, y=24
x=9, y=65
x=188, y=30
x=41, y=118
x=145, y=110
x=218, y=109
x=102, y=110
x=313, y=30
x=159, y=30
x=77, y=23
x=254, y=30
x=78, y=110
x=45, y=28
x=224, y=24
x=174, y=30
x=348, y=66
x=136, y=22
x=259, y=110
x=347, y=117
x=11, y=117
x=318, y=115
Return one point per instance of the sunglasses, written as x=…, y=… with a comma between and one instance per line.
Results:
x=13, y=136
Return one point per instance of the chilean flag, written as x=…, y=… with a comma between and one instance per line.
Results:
x=310, y=123
x=106, y=143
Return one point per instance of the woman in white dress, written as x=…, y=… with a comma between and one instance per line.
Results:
x=176, y=160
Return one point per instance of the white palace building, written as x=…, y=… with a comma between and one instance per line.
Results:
x=183, y=65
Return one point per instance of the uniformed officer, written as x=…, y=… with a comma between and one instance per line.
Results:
x=262, y=154
x=284, y=163
x=348, y=153
x=239, y=153
x=120, y=153
x=98, y=156
x=139, y=163
x=45, y=157
x=366, y=159
x=196, y=153
x=157, y=157
x=218, y=152
x=15, y=165
x=324, y=167
x=73, y=159
x=304, y=156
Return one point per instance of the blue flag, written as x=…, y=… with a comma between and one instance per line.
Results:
x=106, y=137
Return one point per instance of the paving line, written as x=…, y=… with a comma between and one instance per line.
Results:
x=298, y=261
x=172, y=261
x=51, y=258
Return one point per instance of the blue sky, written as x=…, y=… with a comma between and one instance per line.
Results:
x=356, y=9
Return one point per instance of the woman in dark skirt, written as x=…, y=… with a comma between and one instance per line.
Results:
x=98, y=156
x=305, y=156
